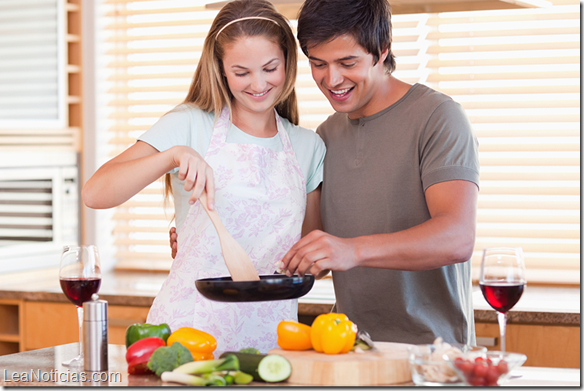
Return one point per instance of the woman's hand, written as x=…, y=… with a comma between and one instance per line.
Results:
x=196, y=173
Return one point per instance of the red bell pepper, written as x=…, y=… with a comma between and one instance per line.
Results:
x=139, y=353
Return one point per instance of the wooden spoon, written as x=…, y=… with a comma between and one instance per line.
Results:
x=238, y=262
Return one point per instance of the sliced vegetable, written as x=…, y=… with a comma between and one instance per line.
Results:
x=139, y=331
x=242, y=378
x=332, y=333
x=191, y=380
x=228, y=363
x=274, y=368
x=200, y=343
x=139, y=353
x=167, y=358
x=294, y=336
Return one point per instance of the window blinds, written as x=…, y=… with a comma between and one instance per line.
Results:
x=516, y=72
x=32, y=63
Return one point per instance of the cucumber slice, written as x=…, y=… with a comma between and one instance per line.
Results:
x=274, y=368
x=268, y=368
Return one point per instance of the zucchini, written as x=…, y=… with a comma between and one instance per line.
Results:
x=263, y=367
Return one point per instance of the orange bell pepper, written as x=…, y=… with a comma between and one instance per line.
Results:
x=333, y=333
x=293, y=335
x=200, y=344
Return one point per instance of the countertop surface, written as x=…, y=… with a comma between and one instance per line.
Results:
x=539, y=304
x=43, y=367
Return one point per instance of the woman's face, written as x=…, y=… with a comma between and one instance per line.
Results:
x=254, y=68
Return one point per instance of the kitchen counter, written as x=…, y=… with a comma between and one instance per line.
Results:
x=43, y=367
x=539, y=304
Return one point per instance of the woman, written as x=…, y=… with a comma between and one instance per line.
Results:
x=236, y=137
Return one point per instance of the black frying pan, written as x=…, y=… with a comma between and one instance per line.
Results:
x=268, y=288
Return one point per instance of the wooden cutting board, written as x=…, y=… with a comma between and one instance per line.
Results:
x=352, y=369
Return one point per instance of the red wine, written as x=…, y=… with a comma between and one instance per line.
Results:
x=79, y=289
x=502, y=296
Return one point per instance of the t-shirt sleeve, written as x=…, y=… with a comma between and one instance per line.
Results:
x=315, y=171
x=449, y=148
x=173, y=128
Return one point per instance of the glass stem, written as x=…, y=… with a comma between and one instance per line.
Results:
x=502, y=319
x=80, y=319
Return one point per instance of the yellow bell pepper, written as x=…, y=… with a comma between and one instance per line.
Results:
x=293, y=335
x=333, y=333
x=200, y=344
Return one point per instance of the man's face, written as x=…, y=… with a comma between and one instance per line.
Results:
x=346, y=75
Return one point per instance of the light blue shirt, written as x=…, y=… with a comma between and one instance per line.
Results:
x=193, y=127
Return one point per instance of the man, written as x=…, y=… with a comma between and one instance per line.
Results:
x=399, y=194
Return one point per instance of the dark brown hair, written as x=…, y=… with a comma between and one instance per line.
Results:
x=368, y=21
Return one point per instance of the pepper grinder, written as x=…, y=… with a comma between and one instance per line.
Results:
x=95, y=334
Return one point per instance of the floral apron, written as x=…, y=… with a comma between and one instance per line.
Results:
x=260, y=196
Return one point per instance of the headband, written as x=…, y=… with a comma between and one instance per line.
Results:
x=245, y=18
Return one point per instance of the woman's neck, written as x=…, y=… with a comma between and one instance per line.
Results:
x=255, y=124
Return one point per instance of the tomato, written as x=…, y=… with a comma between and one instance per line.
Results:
x=481, y=370
x=492, y=374
x=466, y=367
x=477, y=381
x=502, y=367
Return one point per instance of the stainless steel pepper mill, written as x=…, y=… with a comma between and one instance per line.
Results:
x=95, y=334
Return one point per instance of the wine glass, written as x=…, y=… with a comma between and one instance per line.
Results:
x=502, y=281
x=80, y=277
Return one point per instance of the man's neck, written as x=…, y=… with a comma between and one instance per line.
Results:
x=388, y=92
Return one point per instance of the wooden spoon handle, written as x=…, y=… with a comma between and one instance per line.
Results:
x=238, y=262
x=214, y=216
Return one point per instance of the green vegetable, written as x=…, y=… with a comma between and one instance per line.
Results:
x=139, y=331
x=214, y=380
x=274, y=368
x=262, y=367
x=229, y=363
x=229, y=379
x=191, y=380
x=167, y=358
x=242, y=378
x=250, y=350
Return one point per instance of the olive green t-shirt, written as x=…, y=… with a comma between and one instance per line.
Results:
x=376, y=171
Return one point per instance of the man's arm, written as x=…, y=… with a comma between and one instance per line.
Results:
x=446, y=238
x=312, y=219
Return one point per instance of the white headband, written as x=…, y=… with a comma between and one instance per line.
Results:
x=246, y=18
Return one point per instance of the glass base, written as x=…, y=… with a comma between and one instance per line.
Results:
x=75, y=362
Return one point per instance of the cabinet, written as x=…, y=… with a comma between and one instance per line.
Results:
x=11, y=326
x=544, y=345
x=49, y=324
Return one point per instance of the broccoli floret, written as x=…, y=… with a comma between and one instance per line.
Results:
x=166, y=358
x=249, y=350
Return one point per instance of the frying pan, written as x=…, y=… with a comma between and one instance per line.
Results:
x=268, y=288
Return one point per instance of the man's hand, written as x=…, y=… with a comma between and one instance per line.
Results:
x=318, y=252
x=173, y=244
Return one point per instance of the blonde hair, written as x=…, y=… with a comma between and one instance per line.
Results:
x=209, y=90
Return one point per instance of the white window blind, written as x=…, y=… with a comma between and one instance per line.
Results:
x=32, y=63
x=516, y=72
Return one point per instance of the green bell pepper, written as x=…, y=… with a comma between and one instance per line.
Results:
x=138, y=331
